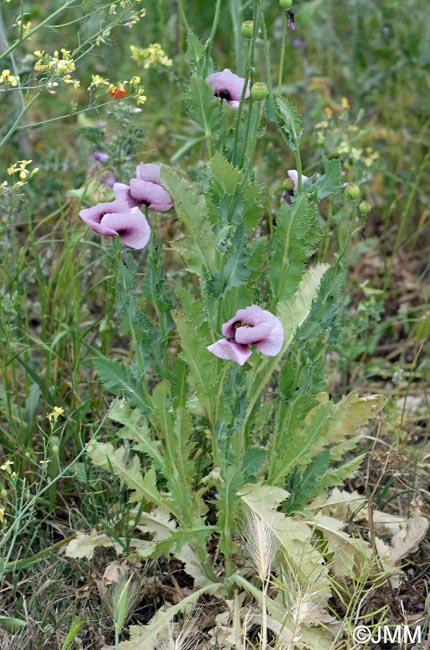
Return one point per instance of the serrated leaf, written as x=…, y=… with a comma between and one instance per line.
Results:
x=136, y=430
x=293, y=535
x=328, y=183
x=296, y=234
x=253, y=460
x=128, y=470
x=118, y=379
x=203, y=366
x=198, y=244
x=285, y=115
x=225, y=176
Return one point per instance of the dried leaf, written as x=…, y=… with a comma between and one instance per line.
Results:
x=84, y=545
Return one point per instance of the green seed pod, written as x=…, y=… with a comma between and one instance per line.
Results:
x=247, y=28
x=259, y=91
x=352, y=191
x=285, y=4
x=364, y=207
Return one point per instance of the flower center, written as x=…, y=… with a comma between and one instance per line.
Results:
x=223, y=94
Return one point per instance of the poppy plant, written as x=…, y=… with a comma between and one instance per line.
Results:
x=228, y=85
x=250, y=326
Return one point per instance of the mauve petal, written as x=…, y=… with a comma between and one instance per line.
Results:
x=122, y=193
x=248, y=335
x=272, y=344
x=265, y=331
x=93, y=216
x=149, y=172
x=229, y=83
x=251, y=315
x=230, y=351
x=293, y=174
x=131, y=227
x=154, y=196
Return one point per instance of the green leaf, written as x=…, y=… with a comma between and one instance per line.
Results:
x=128, y=470
x=328, y=183
x=294, y=312
x=197, y=244
x=296, y=234
x=203, y=366
x=285, y=115
x=253, y=460
x=195, y=47
x=118, y=380
x=225, y=176
x=136, y=429
x=202, y=109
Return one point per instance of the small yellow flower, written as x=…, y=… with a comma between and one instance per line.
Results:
x=328, y=112
x=55, y=414
x=345, y=103
x=97, y=80
x=6, y=466
x=150, y=56
x=8, y=79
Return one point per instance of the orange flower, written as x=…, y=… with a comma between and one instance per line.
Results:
x=117, y=92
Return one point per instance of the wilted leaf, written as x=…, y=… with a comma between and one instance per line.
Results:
x=84, y=545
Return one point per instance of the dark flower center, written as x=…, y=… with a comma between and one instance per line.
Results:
x=223, y=94
x=239, y=323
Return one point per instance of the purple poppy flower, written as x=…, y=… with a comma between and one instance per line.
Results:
x=148, y=189
x=120, y=218
x=293, y=175
x=250, y=326
x=228, y=85
x=100, y=156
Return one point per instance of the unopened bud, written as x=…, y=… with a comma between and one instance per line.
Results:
x=288, y=185
x=259, y=91
x=364, y=207
x=352, y=191
x=285, y=4
x=247, y=28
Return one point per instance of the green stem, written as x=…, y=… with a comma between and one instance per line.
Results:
x=21, y=114
x=209, y=42
x=267, y=56
x=281, y=62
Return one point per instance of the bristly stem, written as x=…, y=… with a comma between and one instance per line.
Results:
x=281, y=62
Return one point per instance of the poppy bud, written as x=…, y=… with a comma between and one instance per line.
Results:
x=247, y=28
x=285, y=4
x=259, y=91
x=288, y=185
x=352, y=191
x=364, y=207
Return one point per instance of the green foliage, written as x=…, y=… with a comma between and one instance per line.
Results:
x=296, y=235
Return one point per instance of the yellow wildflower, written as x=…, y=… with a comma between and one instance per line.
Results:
x=328, y=112
x=150, y=56
x=55, y=414
x=6, y=466
x=8, y=79
x=345, y=103
x=20, y=167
